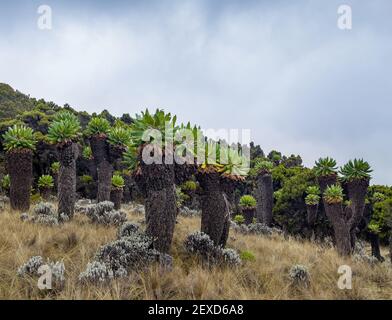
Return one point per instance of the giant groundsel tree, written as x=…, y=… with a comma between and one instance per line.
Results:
x=64, y=131
x=19, y=144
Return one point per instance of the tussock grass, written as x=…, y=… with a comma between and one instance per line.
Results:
x=266, y=277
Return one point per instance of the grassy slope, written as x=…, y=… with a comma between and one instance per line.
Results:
x=266, y=278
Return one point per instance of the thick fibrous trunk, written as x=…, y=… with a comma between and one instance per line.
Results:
x=265, y=199
x=356, y=190
x=156, y=181
x=375, y=244
x=248, y=214
x=214, y=207
x=116, y=197
x=100, y=149
x=336, y=215
x=20, y=168
x=311, y=214
x=105, y=172
x=67, y=179
x=45, y=193
x=390, y=246
x=326, y=181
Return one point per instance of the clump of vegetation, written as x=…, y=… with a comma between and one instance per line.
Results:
x=189, y=185
x=201, y=244
x=87, y=153
x=45, y=185
x=118, y=181
x=247, y=256
x=248, y=202
x=98, y=126
x=86, y=179
x=326, y=172
x=334, y=194
x=299, y=275
x=239, y=219
x=32, y=266
x=6, y=182
x=105, y=213
x=55, y=167
x=356, y=169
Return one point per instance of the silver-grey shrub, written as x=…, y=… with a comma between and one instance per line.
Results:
x=299, y=275
x=104, y=213
x=127, y=229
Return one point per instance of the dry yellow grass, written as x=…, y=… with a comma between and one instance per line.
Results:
x=265, y=278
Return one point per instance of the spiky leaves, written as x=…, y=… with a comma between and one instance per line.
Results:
x=98, y=126
x=247, y=201
x=118, y=181
x=334, y=194
x=263, y=166
x=19, y=137
x=119, y=136
x=45, y=184
x=55, y=167
x=64, y=129
x=87, y=153
x=45, y=181
x=356, y=169
x=326, y=172
x=325, y=166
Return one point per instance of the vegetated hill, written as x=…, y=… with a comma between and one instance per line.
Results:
x=13, y=102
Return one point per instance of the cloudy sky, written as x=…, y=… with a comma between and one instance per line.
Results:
x=280, y=68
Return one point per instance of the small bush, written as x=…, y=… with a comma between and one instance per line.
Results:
x=127, y=229
x=6, y=182
x=104, y=213
x=19, y=137
x=45, y=181
x=86, y=179
x=247, y=201
x=44, y=208
x=55, y=167
x=189, y=185
x=118, y=181
x=247, y=256
x=239, y=219
x=98, y=126
x=230, y=257
x=299, y=275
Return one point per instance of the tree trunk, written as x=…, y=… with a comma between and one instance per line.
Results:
x=326, y=181
x=20, y=168
x=45, y=193
x=375, y=244
x=156, y=181
x=265, y=199
x=390, y=246
x=100, y=149
x=67, y=179
x=341, y=227
x=214, y=207
x=248, y=214
x=356, y=190
x=311, y=214
x=116, y=197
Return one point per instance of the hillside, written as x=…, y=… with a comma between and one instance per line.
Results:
x=13, y=102
x=264, y=277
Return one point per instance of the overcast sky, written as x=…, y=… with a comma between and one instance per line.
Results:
x=280, y=68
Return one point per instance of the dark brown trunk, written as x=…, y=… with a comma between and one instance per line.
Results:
x=336, y=215
x=326, y=181
x=390, y=246
x=100, y=149
x=55, y=182
x=116, y=197
x=67, y=179
x=45, y=193
x=20, y=168
x=105, y=172
x=265, y=199
x=311, y=214
x=214, y=207
x=157, y=183
x=356, y=190
x=375, y=244
x=248, y=214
